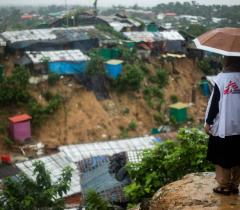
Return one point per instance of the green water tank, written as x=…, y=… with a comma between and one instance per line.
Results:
x=152, y=27
x=178, y=111
x=105, y=53
x=129, y=44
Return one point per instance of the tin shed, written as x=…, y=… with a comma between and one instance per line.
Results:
x=20, y=127
x=178, y=111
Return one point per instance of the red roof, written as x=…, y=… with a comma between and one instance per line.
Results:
x=20, y=118
x=170, y=14
x=26, y=17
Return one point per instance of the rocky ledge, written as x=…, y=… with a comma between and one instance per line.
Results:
x=193, y=192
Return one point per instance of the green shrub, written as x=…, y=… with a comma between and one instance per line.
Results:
x=95, y=65
x=152, y=94
x=204, y=65
x=173, y=99
x=94, y=201
x=159, y=118
x=39, y=113
x=125, y=111
x=153, y=91
x=130, y=56
x=160, y=78
x=53, y=104
x=52, y=79
x=47, y=95
x=3, y=126
x=110, y=30
x=8, y=142
x=132, y=125
x=41, y=192
x=124, y=132
x=168, y=162
x=13, y=89
x=130, y=79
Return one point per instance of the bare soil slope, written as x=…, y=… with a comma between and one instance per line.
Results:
x=84, y=119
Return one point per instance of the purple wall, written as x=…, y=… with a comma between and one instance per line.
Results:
x=21, y=131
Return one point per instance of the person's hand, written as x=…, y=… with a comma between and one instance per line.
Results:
x=207, y=128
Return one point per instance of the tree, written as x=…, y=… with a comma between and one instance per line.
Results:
x=24, y=193
x=131, y=78
x=94, y=201
x=168, y=162
x=13, y=89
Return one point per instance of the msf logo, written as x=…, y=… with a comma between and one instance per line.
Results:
x=231, y=88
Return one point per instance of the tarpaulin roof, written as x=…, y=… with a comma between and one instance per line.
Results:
x=8, y=170
x=60, y=55
x=153, y=36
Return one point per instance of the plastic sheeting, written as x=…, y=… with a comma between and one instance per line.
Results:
x=174, y=46
x=106, y=175
x=68, y=68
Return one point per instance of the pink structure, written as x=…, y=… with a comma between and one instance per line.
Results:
x=20, y=127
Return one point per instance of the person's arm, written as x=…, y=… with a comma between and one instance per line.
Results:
x=213, y=109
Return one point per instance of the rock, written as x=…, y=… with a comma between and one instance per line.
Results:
x=193, y=192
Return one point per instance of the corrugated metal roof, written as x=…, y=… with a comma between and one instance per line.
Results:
x=25, y=35
x=171, y=35
x=55, y=164
x=118, y=26
x=119, y=23
x=82, y=151
x=140, y=36
x=134, y=22
x=71, y=154
x=153, y=36
x=60, y=55
x=71, y=33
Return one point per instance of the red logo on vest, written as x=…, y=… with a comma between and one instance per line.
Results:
x=231, y=88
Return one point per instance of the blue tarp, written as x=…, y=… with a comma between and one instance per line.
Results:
x=69, y=68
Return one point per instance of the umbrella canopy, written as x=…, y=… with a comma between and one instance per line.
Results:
x=224, y=41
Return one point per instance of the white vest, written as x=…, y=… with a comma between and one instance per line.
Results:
x=227, y=121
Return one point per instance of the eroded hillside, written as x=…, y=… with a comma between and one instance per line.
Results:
x=83, y=118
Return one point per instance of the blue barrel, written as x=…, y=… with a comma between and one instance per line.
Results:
x=114, y=68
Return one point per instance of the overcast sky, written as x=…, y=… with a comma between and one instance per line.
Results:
x=112, y=2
